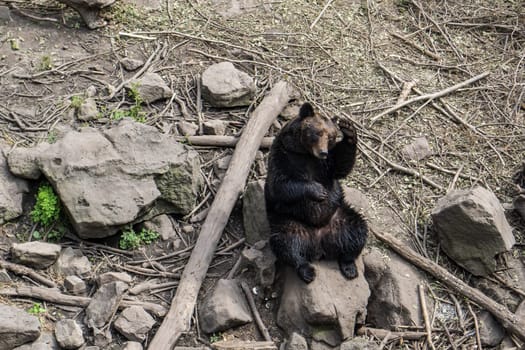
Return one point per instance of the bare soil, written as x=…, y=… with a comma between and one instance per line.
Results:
x=350, y=58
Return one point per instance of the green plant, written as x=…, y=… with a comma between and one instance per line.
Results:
x=36, y=309
x=215, y=337
x=47, y=206
x=76, y=101
x=52, y=137
x=54, y=235
x=132, y=240
x=46, y=63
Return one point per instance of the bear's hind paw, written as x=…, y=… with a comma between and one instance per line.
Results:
x=306, y=272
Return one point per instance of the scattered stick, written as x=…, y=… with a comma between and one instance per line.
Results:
x=54, y=296
x=431, y=96
x=384, y=333
x=320, y=14
x=178, y=318
x=417, y=47
x=476, y=326
x=509, y=321
x=424, y=310
x=255, y=312
x=219, y=141
x=26, y=271
x=407, y=87
x=459, y=312
x=243, y=345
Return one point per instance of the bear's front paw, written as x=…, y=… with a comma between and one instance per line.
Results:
x=306, y=272
x=348, y=269
x=348, y=130
x=318, y=192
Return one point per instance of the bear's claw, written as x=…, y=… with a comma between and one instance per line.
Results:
x=348, y=130
x=348, y=269
x=306, y=272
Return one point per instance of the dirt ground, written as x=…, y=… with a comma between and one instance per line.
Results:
x=350, y=58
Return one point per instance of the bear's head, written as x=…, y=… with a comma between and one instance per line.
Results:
x=318, y=134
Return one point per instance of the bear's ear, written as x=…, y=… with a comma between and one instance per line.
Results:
x=306, y=111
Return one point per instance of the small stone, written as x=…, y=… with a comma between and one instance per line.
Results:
x=102, y=338
x=223, y=85
x=187, y=128
x=109, y=277
x=214, y=127
x=417, y=150
x=150, y=87
x=132, y=345
x=72, y=262
x=187, y=229
x=490, y=330
x=221, y=165
x=225, y=307
x=163, y=226
x=296, y=342
x=91, y=91
x=131, y=64
x=255, y=220
x=35, y=254
x=17, y=327
x=88, y=110
x=261, y=257
x=69, y=334
x=75, y=285
x=104, y=303
x=134, y=323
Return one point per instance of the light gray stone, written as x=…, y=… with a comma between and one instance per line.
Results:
x=151, y=87
x=331, y=303
x=296, y=342
x=108, y=179
x=12, y=190
x=187, y=128
x=108, y=277
x=417, y=150
x=223, y=85
x=131, y=64
x=134, y=323
x=88, y=110
x=356, y=199
x=224, y=308
x=36, y=254
x=472, y=229
x=214, y=127
x=104, y=303
x=91, y=91
x=394, y=298
x=163, y=226
x=255, y=220
x=72, y=262
x=132, y=345
x=261, y=257
x=69, y=334
x=17, y=327
x=75, y=285
x=491, y=332
x=46, y=341
x=359, y=344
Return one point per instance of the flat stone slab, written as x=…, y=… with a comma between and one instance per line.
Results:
x=36, y=254
x=17, y=327
x=134, y=323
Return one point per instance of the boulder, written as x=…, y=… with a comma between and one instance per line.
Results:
x=108, y=179
x=150, y=87
x=472, y=229
x=328, y=308
x=17, y=327
x=134, y=323
x=72, y=262
x=108, y=277
x=46, y=341
x=256, y=225
x=69, y=334
x=262, y=259
x=75, y=285
x=12, y=190
x=223, y=85
x=224, y=308
x=162, y=225
x=36, y=254
x=104, y=304
x=491, y=332
x=417, y=150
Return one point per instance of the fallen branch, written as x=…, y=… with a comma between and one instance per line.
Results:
x=383, y=333
x=255, y=312
x=52, y=295
x=424, y=310
x=26, y=271
x=430, y=96
x=508, y=320
x=219, y=141
x=178, y=318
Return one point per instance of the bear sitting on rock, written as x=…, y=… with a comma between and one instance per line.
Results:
x=308, y=216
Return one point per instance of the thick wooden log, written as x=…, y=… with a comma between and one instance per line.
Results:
x=508, y=320
x=178, y=319
x=219, y=141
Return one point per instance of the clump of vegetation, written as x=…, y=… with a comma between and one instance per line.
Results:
x=215, y=337
x=132, y=240
x=135, y=112
x=47, y=206
x=36, y=309
x=76, y=101
x=46, y=63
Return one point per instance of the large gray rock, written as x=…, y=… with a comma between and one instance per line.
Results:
x=225, y=307
x=256, y=225
x=262, y=259
x=12, y=190
x=394, y=285
x=36, y=254
x=134, y=323
x=491, y=332
x=109, y=179
x=327, y=309
x=223, y=85
x=104, y=304
x=472, y=229
x=150, y=87
x=72, y=262
x=17, y=327
x=69, y=334
x=46, y=341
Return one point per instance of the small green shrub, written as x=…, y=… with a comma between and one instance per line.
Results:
x=46, y=63
x=76, y=101
x=132, y=240
x=36, y=309
x=215, y=337
x=47, y=206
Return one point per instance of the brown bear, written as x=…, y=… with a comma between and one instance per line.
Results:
x=308, y=216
